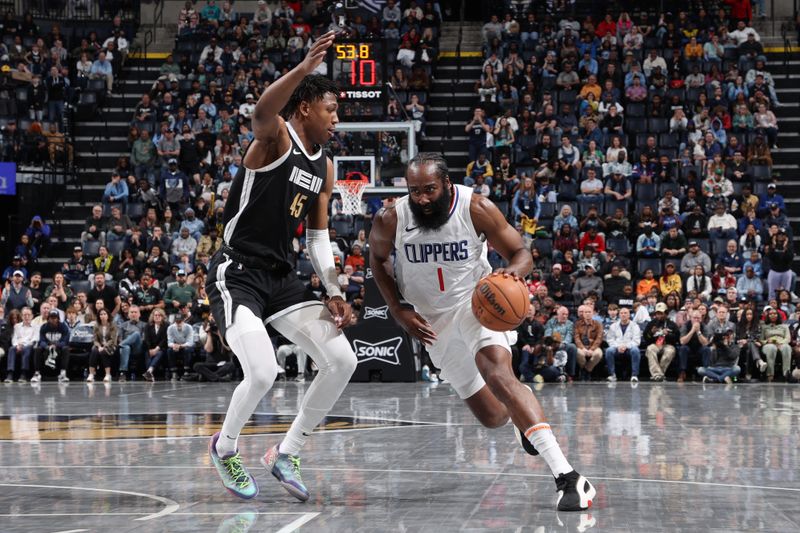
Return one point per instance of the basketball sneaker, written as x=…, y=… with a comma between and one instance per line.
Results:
x=286, y=468
x=234, y=476
x=575, y=493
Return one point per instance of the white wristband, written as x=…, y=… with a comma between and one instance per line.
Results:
x=321, y=254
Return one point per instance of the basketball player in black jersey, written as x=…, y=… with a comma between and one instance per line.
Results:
x=285, y=177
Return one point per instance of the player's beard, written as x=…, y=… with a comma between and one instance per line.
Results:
x=438, y=215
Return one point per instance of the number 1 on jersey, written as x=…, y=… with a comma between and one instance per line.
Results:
x=441, y=278
x=297, y=205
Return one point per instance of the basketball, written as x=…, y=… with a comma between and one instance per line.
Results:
x=499, y=302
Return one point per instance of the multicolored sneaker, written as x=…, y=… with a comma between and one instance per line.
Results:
x=234, y=476
x=240, y=523
x=286, y=468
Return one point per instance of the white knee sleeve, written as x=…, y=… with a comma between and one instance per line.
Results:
x=313, y=330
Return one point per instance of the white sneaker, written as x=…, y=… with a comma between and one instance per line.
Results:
x=612, y=378
x=706, y=379
x=22, y=379
x=37, y=377
x=107, y=379
x=9, y=380
x=90, y=378
x=62, y=378
x=634, y=379
x=762, y=365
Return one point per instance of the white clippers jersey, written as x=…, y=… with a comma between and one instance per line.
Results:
x=437, y=270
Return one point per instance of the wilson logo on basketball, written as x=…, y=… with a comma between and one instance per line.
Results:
x=486, y=291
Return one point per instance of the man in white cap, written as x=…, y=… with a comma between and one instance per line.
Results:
x=16, y=295
x=660, y=335
x=247, y=108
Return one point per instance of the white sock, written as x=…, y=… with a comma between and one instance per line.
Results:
x=313, y=331
x=248, y=339
x=542, y=438
x=63, y=372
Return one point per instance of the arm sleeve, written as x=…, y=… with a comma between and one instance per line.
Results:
x=321, y=255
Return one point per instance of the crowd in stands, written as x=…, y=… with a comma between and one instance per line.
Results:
x=634, y=155
x=132, y=295
x=41, y=72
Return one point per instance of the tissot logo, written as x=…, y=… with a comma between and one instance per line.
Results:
x=361, y=94
x=386, y=351
x=376, y=312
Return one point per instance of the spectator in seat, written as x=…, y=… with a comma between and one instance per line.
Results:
x=217, y=365
x=38, y=233
x=174, y=186
x=758, y=152
x=179, y=294
x=180, y=345
x=559, y=285
x=775, y=338
x=15, y=294
x=477, y=129
x=146, y=297
x=37, y=96
x=57, y=146
x=591, y=188
x=23, y=341
x=722, y=365
x=588, y=335
x=210, y=243
x=564, y=217
x=144, y=156
x=17, y=264
x=183, y=244
x=592, y=238
x=648, y=244
x=780, y=255
x=57, y=87
x=623, y=338
x=52, y=348
x=699, y=283
x=193, y=224
x=722, y=225
x=670, y=281
x=614, y=283
x=695, y=338
x=526, y=202
x=77, y=267
x=116, y=191
x=587, y=284
x=618, y=187
x=660, y=336
x=480, y=167
x=155, y=341
x=355, y=259
x=560, y=329
x=770, y=197
x=673, y=245
x=103, y=70
x=104, y=346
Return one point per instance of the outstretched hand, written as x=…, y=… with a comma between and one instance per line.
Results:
x=316, y=54
x=341, y=311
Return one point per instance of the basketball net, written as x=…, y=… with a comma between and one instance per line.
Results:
x=351, y=192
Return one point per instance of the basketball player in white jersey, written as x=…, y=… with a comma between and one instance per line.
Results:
x=437, y=234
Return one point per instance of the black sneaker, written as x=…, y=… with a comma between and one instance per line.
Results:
x=575, y=493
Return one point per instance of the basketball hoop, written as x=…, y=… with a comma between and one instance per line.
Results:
x=351, y=192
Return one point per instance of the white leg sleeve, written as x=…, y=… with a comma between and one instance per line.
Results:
x=313, y=330
x=248, y=339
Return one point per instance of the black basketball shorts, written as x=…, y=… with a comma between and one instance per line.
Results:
x=267, y=294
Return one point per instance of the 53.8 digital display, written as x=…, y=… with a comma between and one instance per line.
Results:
x=358, y=67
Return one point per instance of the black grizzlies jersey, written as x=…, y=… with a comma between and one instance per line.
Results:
x=265, y=206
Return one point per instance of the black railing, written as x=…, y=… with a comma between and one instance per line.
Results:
x=74, y=11
x=457, y=80
x=787, y=47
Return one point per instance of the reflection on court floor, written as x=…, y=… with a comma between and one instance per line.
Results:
x=400, y=457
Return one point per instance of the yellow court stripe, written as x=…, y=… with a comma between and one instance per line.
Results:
x=452, y=53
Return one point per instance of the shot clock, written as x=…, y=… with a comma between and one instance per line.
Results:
x=359, y=68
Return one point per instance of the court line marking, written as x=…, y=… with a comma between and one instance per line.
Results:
x=217, y=513
x=299, y=522
x=72, y=531
x=187, y=437
x=171, y=506
x=414, y=471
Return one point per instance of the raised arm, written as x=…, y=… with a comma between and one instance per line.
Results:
x=266, y=121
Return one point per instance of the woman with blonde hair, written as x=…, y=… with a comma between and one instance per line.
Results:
x=104, y=346
x=155, y=342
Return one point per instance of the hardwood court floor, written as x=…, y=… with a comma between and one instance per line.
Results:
x=401, y=457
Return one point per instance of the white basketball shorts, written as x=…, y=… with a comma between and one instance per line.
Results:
x=459, y=336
